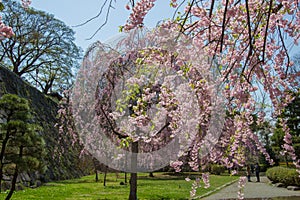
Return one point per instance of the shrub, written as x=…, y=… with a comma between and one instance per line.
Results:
x=217, y=169
x=284, y=175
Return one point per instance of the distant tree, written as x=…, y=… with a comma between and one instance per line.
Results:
x=21, y=145
x=42, y=51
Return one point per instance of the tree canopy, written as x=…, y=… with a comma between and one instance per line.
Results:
x=246, y=45
x=42, y=50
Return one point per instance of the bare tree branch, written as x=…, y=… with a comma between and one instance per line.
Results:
x=104, y=23
x=111, y=125
x=186, y=16
x=109, y=2
x=95, y=17
x=223, y=25
x=210, y=14
x=266, y=31
x=285, y=50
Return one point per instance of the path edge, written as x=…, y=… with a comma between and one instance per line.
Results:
x=215, y=190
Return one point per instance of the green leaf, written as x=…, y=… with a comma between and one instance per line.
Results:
x=152, y=127
x=121, y=28
x=1, y=6
x=139, y=61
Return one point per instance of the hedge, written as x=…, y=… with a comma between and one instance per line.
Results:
x=284, y=175
x=217, y=169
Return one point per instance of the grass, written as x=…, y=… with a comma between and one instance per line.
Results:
x=162, y=186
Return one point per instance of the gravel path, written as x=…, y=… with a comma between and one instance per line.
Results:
x=253, y=190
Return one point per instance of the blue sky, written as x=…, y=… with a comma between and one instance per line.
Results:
x=74, y=12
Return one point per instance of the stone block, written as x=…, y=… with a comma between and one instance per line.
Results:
x=279, y=185
x=293, y=188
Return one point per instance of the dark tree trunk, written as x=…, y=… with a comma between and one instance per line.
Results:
x=125, y=177
x=4, y=143
x=286, y=161
x=96, y=178
x=133, y=186
x=1, y=177
x=151, y=174
x=14, y=180
x=105, y=173
x=13, y=184
x=133, y=177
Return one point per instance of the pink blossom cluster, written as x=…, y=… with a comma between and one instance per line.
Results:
x=241, y=186
x=236, y=140
x=195, y=186
x=5, y=31
x=194, y=155
x=205, y=178
x=288, y=145
x=139, y=11
x=176, y=165
x=174, y=3
x=244, y=65
x=26, y=3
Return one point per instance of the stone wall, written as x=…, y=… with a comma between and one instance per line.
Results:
x=44, y=113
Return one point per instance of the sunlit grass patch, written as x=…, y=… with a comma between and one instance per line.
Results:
x=161, y=186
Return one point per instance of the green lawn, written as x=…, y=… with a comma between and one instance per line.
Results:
x=162, y=186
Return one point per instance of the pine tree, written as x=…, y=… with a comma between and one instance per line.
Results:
x=21, y=145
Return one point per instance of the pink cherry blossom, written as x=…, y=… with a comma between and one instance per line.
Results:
x=139, y=11
x=5, y=31
x=241, y=186
x=26, y=3
x=205, y=178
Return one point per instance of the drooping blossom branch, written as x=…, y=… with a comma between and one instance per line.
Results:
x=241, y=186
x=195, y=186
x=139, y=11
x=287, y=147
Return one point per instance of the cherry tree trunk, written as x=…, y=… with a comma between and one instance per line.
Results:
x=133, y=177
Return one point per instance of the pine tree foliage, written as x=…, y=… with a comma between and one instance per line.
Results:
x=21, y=145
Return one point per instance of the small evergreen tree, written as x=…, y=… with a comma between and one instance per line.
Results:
x=21, y=146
